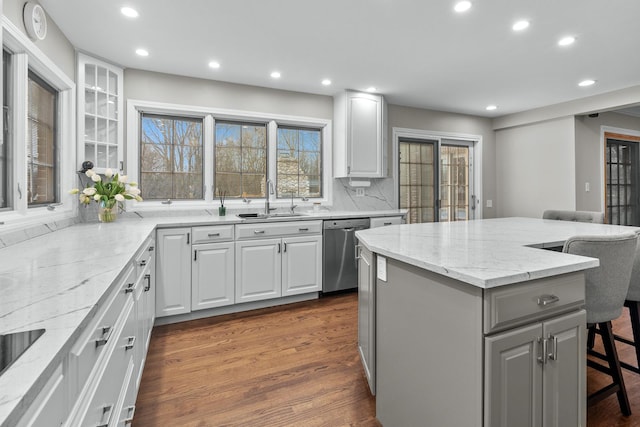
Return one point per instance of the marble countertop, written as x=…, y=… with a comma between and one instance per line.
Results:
x=58, y=280
x=487, y=253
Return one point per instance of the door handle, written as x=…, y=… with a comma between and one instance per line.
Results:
x=147, y=277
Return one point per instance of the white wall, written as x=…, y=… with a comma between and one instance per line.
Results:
x=536, y=168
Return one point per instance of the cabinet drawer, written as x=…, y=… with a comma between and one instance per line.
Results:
x=144, y=255
x=50, y=406
x=215, y=233
x=383, y=221
x=509, y=306
x=262, y=230
x=102, y=329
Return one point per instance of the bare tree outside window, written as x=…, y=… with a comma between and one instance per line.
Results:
x=299, y=166
x=171, y=157
x=41, y=144
x=241, y=159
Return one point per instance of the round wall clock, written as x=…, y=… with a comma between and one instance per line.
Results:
x=35, y=21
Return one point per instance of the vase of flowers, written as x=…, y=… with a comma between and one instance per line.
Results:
x=108, y=193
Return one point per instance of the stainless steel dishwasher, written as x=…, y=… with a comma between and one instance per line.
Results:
x=340, y=267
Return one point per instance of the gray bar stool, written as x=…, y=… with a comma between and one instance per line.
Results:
x=578, y=216
x=606, y=290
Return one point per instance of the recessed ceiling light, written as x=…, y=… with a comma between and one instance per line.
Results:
x=520, y=25
x=371, y=89
x=275, y=75
x=214, y=64
x=587, y=82
x=326, y=82
x=491, y=107
x=462, y=6
x=129, y=12
x=142, y=52
x=566, y=41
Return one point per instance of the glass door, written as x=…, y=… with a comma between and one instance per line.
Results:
x=622, y=182
x=435, y=180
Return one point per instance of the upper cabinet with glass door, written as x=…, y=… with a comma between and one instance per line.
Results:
x=100, y=114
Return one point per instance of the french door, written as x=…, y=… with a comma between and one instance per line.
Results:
x=622, y=182
x=436, y=179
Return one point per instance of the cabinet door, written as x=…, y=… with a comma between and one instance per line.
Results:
x=365, y=135
x=564, y=381
x=301, y=265
x=213, y=275
x=258, y=269
x=513, y=375
x=173, y=272
x=366, y=316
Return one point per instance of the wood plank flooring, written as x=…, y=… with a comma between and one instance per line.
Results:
x=296, y=365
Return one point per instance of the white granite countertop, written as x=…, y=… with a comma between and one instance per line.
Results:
x=57, y=281
x=487, y=253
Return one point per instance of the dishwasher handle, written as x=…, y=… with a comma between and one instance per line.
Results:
x=348, y=230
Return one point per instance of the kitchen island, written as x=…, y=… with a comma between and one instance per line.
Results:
x=477, y=325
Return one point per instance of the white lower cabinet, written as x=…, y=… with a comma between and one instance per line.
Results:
x=49, y=409
x=258, y=269
x=367, y=315
x=301, y=265
x=212, y=275
x=173, y=266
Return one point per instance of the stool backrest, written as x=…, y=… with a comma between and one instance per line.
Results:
x=634, y=285
x=606, y=285
x=578, y=216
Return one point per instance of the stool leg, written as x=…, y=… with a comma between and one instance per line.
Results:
x=614, y=364
x=591, y=337
x=634, y=314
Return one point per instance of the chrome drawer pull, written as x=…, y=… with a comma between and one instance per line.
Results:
x=129, y=288
x=108, y=410
x=151, y=248
x=131, y=410
x=303, y=229
x=147, y=277
x=542, y=350
x=544, y=300
x=213, y=234
x=553, y=354
x=387, y=223
x=258, y=231
x=143, y=263
x=106, y=334
x=130, y=343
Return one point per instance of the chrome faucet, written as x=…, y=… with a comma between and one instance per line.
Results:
x=268, y=190
x=293, y=207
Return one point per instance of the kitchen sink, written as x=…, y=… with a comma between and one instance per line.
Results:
x=12, y=346
x=262, y=216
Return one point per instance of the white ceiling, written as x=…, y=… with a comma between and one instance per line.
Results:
x=418, y=53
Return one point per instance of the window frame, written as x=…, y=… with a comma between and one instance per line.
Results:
x=322, y=160
x=25, y=57
x=210, y=116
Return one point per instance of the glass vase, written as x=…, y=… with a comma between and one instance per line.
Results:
x=107, y=214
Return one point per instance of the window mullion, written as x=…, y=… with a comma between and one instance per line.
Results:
x=272, y=158
x=20, y=72
x=209, y=157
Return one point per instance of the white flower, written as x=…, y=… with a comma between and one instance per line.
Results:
x=96, y=197
x=84, y=199
x=90, y=173
x=138, y=199
x=108, y=173
x=122, y=179
x=119, y=197
x=133, y=184
x=134, y=191
x=96, y=178
x=74, y=191
x=89, y=191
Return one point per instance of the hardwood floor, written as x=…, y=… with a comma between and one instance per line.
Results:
x=293, y=366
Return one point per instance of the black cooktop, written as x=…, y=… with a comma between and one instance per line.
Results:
x=12, y=346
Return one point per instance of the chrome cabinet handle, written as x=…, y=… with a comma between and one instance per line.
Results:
x=357, y=253
x=303, y=229
x=107, y=411
x=188, y=237
x=279, y=248
x=213, y=235
x=542, y=351
x=131, y=410
x=387, y=223
x=129, y=288
x=147, y=277
x=553, y=354
x=143, y=263
x=195, y=255
x=547, y=299
x=151, y=248
x=258, y=231
x=285, y=246
x=130, y=343
x=106, y=334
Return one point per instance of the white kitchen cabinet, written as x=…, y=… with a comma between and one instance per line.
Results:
x=212, y=275
x=50, y=408
x=258, y=269
x=359, y=143
x=367, y=315
x=301, y=265
x=100, y=113
x=145, y=303
x=533, y=375
x=173, y=267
